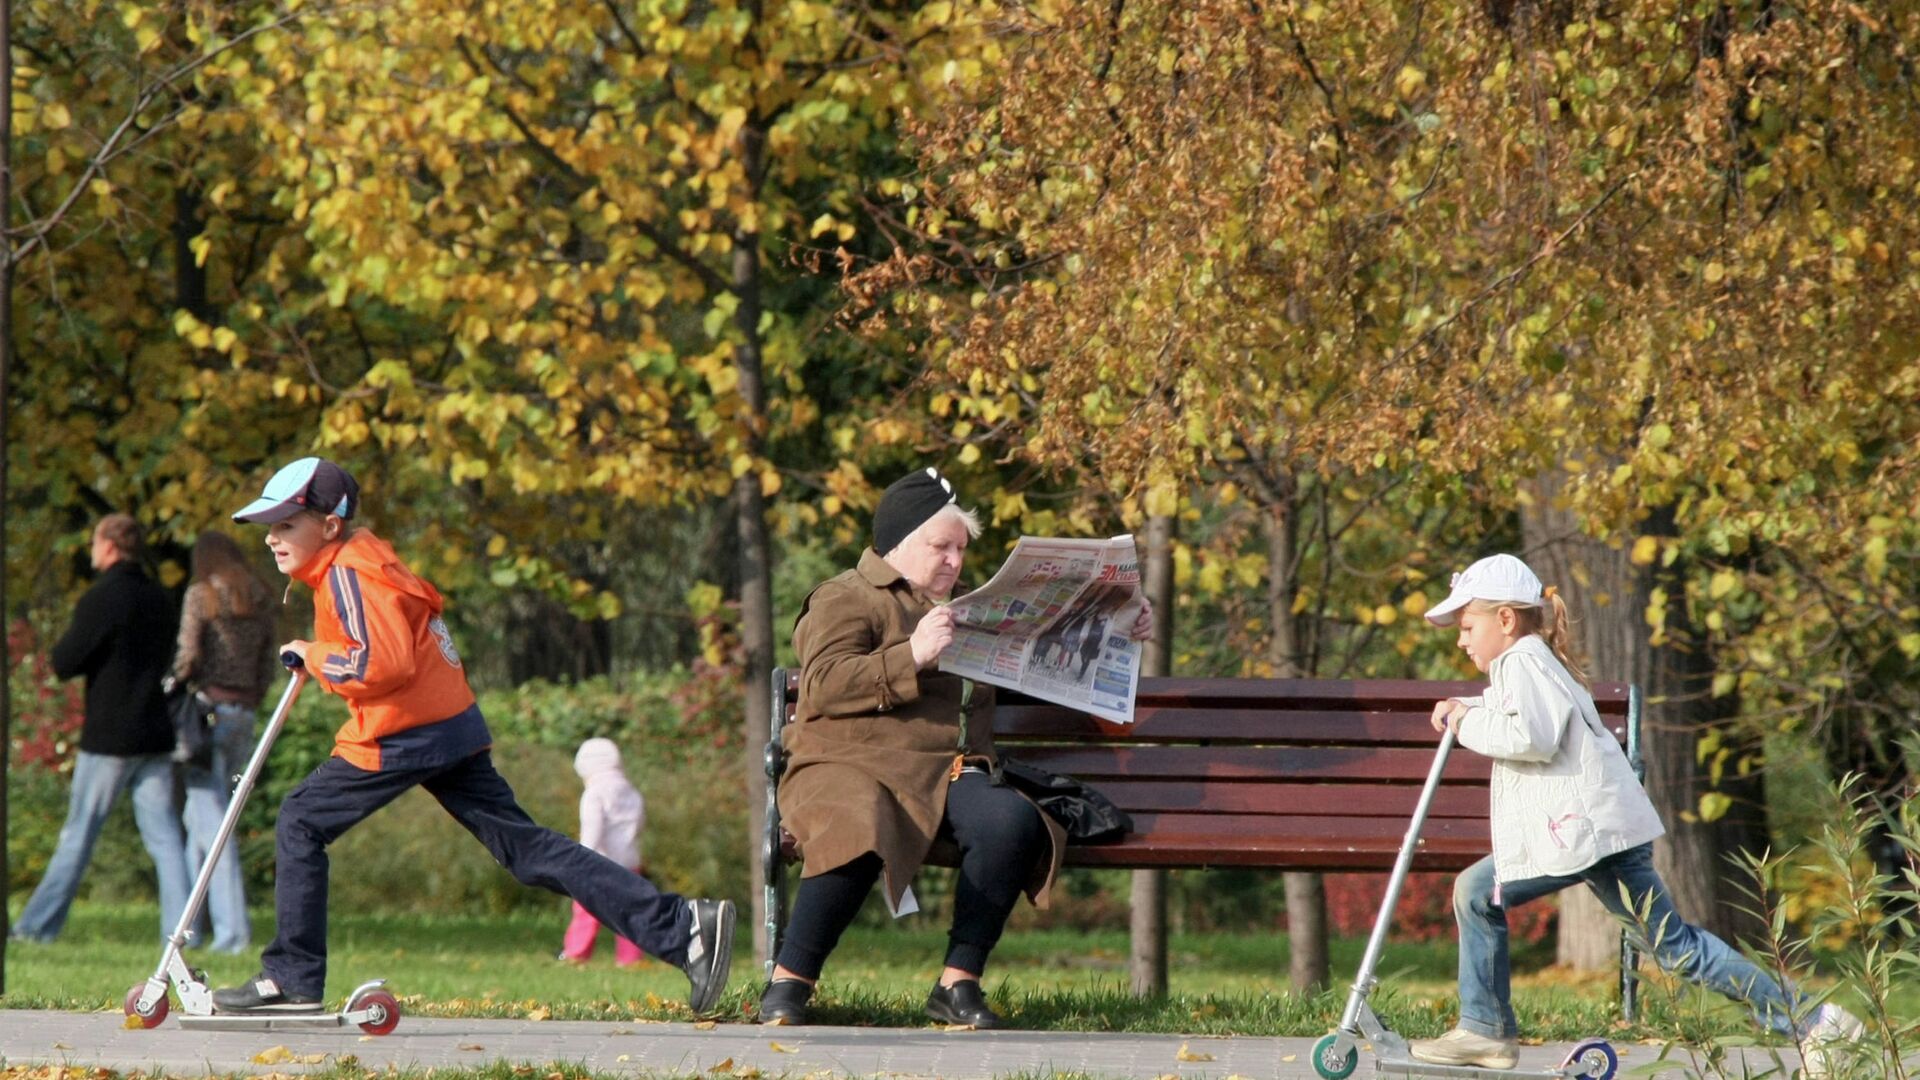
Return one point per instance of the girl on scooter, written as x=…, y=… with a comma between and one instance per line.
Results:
x=1568, y=810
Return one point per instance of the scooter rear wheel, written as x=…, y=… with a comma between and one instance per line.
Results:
x=1597, y=1059
x=385, y=1010
x=1330, y=1063
x=150, y=1019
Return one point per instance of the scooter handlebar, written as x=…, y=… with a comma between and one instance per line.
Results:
x=291, y=660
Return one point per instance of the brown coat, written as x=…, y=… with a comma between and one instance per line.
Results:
x=871, y=750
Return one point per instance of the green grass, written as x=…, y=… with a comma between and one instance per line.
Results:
x=502, y=966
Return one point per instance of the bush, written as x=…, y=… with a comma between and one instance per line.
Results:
x=1425, y=911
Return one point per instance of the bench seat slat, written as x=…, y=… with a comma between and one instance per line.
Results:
x=1176, y=854
x=1309, y=799
x=1336, y=694
x=1387, y=765
x=1249, y=724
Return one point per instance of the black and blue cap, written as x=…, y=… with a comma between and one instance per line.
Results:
x=311, y=483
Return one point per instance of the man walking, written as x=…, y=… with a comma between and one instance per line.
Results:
x=122, y=641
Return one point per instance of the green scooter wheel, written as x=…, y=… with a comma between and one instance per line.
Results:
x=1330, y=1062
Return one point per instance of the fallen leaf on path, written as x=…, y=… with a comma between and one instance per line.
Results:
x=1290, y=1057
x=784, y=1049
x=132, y=1023
x=280, y=1055
x=61, y=1046
x=1191, y=1055
x=724, y=1067
x=624, y=1057
x=958, y=1027
x=706, y=1025
x=471, y=1046
x=541, y=1013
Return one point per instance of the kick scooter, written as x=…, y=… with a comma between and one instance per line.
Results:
x=369, y=1006
x=1337, y=1053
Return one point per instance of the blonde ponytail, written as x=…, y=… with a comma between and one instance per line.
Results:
x=1557, y=632
x=1551, y=621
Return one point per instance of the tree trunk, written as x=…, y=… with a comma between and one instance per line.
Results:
x=1148, y=904
x=1607, y=597
x=6, y=368
x=750, y=516
x=1306, y=893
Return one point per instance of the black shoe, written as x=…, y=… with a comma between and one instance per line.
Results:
x=962, y=1003
x=262, y=995
x=709, y=954
x=785, y=1002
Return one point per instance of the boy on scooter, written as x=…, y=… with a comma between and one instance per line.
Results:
x=379, y=643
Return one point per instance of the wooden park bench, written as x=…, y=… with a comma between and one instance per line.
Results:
x=1284, y=774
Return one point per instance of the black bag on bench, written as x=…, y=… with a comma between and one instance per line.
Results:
x=1088, y=816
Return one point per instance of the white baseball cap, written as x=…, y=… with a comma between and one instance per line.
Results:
x=1501, y=579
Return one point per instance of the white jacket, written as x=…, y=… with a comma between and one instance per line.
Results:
x=612, y=813
x=1564, y=796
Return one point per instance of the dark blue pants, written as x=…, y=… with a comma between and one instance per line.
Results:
x=337, y=796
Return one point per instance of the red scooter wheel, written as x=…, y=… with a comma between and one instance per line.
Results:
x=150, y=1019
x=384, y=1009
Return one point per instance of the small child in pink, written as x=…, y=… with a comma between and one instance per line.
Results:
x=612, y=813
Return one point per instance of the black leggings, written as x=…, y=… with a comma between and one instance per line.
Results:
x=1000, y=837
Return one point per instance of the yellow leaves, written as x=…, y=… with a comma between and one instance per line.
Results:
x=1163, y=498
x=827, y=223
x=1645, y=550
x=1722, y=583
x=1185, y=1054
x=1410, y=81
x=55, y=117
x=1714, y=805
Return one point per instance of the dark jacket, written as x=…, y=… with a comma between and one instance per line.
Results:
x=872, y=745
x=230, y=658
x=122, y=641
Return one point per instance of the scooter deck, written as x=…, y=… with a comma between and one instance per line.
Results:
x=320, y=1021
x=1421, y=1070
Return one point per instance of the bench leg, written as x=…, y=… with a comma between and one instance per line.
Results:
x=1629, y=978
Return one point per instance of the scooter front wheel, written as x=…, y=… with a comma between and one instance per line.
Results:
x=1330, y=1062
x=383, y=1012
x=153, y=1017
x=1596, y=1059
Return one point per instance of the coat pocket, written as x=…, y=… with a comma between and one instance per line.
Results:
x=1563, y=841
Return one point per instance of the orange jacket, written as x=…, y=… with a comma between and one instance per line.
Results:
x=379, y=642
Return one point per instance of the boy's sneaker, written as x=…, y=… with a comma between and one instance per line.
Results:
x=1825, y=1049
x=262, y=995
x=1463, y=1047
x=709, y=954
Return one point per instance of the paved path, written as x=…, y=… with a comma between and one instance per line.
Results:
x=100, y=1039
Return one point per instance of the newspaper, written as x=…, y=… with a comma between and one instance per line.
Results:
x=1053, y=622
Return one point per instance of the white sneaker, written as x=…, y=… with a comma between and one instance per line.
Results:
x=1463, y=1047
x=1828, y=1042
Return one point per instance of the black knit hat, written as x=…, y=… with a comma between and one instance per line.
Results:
x=906, y=505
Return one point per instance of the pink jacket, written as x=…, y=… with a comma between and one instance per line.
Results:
x=612, y=813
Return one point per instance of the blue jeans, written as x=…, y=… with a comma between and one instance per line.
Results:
x=1692, y=953
x=208, y=791
x=98, y=780
x=337, y=796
